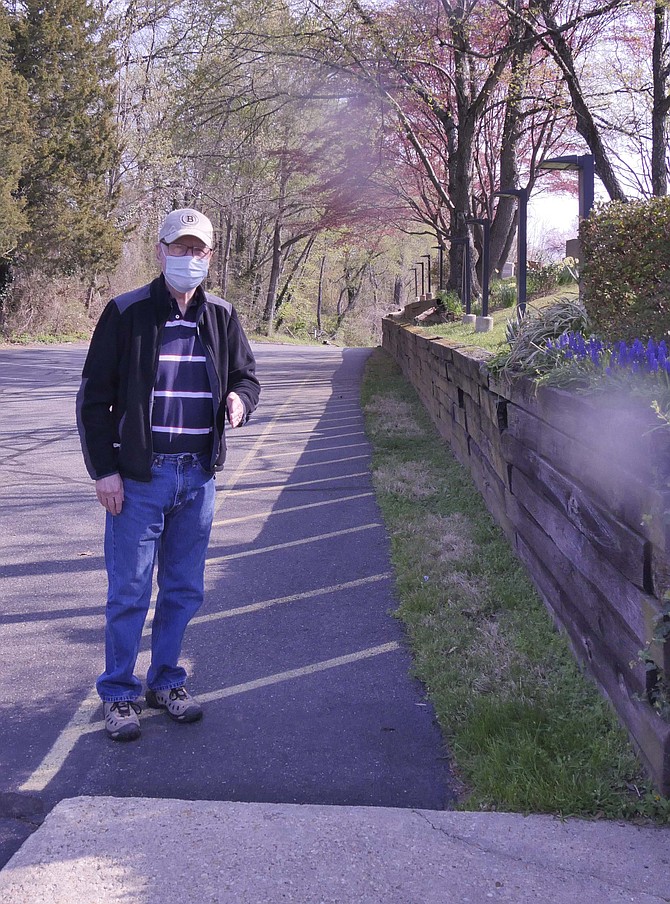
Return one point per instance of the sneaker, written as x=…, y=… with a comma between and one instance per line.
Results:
x=122, y=720
x=178, y=702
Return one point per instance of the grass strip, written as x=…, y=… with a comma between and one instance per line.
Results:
x=527, y=730
x=494, y=340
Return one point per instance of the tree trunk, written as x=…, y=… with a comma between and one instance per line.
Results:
x=319, y=295
x=460, y=157
x=661, y=105
x=286, y=292
x=275, y=271
x=224, y=253
x=397, y=293
x=352, y=289
x=5, y=295
x=507, y=247
x=505, y=217
x=90, y=293
x=256, y=287
x=470, y=102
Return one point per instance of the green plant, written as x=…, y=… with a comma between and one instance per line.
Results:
x=658, y=681
x=540, y=279
x=570, y=272
x=626, y=270
x=48, y=338
x=449, y=300
x=503, y=293
x=545, y=278
x=527, y=337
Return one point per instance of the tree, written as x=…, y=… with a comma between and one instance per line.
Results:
x=660, y=99
x=587, y=125
x=15, y=138
x=62, y=51
x=566, y=31
x=449, y=72
x=275, y=155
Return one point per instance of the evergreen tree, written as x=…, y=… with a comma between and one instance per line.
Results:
x=63, y=52
x=15, y=140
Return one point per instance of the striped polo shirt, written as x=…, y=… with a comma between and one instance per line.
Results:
x=182, y=415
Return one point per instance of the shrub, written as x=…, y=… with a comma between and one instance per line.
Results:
x=527, y=337
x=450, y=301
x=545, y=278
x=38, y=304
x=503, y=293
x=626, y=269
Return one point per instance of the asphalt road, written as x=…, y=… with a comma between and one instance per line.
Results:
x=301, y=668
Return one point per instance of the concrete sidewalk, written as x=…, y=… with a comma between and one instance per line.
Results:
x=104, y=850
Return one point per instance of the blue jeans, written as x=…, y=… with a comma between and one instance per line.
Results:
x=169, y=519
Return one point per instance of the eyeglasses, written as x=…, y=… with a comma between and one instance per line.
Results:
x=176, y=249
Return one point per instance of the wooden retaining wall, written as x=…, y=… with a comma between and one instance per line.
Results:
x=573, y=483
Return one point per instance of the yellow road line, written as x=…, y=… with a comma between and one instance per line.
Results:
x=299, y=673
x=300, y=452
x=286, y=511
x=81, y=725
x=309, y=426
x=310, y=437
x=217, y=560
x=318, y=421
x=302, y=483
x=322, y=416
x=288, y=469
x=52, y=762
x=260, y=441
x=293, y=598
x=241, y=610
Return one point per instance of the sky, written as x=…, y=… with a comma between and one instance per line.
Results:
x=553, y=217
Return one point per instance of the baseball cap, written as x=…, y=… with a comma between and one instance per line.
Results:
x=186, y=221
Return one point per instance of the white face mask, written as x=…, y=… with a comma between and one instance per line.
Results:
x=185, y=273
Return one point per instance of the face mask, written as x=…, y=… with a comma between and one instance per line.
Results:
x=185, y=273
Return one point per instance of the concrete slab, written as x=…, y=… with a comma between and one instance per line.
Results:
x=104, y=850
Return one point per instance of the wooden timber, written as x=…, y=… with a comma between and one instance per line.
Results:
x=580, y=484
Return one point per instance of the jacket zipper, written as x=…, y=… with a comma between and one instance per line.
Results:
x=215, y=386
x=157, y=355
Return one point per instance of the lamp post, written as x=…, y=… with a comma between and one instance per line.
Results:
x=484, y=323
x=521, y=194
x=416, y=283
x=423, y=284
x=430, y=290
x=585, y=166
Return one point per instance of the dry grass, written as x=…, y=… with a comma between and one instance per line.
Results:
x=494, y=646
x=410, y=480
x=393, y=417
x=470, y=589
x=443, y=538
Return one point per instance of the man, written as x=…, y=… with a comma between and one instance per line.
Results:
x=167, y=363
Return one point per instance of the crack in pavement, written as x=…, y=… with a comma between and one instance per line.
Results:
x=557, y=868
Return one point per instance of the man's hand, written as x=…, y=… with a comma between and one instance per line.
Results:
x=109, y=491
x=236, y=409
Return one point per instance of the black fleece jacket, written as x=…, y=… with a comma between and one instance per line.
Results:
x=115, y=397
